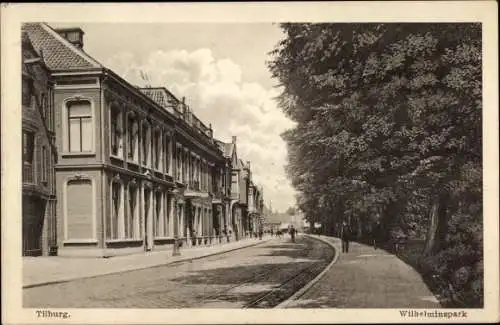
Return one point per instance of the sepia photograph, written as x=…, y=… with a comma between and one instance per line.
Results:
x=251, y=165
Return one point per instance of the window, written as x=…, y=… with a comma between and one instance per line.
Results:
x=179, y=164
x=49, y=114
x=79, y=210
x=116, y=132
x=80, y=135
x=133, y=138
x=185, y=167
x=43, y=109
x=28, y=150
x=145, y=144
x=131, y=224
x=147, y=202
x=116, y=211
x=27, y=92
x=44, y=165
x=167, y=154
x=73, y=36
x=168, y=217
x=159, y=225
x=157, y=149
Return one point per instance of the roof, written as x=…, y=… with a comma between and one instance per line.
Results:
x=226, y=148
x=162, y=97
x=57, y=52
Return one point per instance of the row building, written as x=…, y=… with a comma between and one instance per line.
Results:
x=110, y=168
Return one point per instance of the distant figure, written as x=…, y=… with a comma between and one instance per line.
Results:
x=278, y=233
x=272, y=232
x=345, y=236
x=376, y=233
x=292, y=233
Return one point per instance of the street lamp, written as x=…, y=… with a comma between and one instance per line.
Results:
x=176, y=251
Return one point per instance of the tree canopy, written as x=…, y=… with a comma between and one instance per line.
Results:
x=388, y=126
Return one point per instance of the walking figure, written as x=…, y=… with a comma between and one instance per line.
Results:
x=292, y=233
x=345, y=236
x=376, y=233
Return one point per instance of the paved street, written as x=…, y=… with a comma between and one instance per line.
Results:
x=258, y=276
x=52, y=269
x=367, y=278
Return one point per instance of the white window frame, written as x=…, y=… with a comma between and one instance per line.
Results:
x=65, y=126
x=120, y=139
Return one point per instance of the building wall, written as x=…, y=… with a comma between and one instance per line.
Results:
x=80, y=212
x=38, y=160
x=64, y=95
x=89, y=219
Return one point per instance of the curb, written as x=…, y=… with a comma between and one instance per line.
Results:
x=179, y=261
x=304, y=289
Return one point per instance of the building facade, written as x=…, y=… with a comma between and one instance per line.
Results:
x=38, y=209
x=136, y=169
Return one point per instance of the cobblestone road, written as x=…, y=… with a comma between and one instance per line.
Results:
x=255, y=277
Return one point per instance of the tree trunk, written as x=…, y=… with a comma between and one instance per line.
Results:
x=360, y=227
x=436, y=233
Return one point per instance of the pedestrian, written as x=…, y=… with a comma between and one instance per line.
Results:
x=345, y=236
x=376, y=233
x=292, y=233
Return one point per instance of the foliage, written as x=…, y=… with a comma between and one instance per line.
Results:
x=388, y=124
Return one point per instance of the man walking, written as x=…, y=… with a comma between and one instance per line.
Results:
x=292, y=233
x=345, y=236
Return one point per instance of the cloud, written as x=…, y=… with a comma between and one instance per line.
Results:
x=217, y=94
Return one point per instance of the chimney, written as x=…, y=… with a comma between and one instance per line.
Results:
x=234, y=139
x=73, y=35
x=248, y=164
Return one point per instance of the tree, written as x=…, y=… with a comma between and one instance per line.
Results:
x=388, y=121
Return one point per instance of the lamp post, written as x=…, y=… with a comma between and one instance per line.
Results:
x=176, y=251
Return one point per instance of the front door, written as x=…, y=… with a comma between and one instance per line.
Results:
x=33, y=219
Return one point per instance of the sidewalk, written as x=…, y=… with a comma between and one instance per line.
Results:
x=44, y=270
x=367, y=278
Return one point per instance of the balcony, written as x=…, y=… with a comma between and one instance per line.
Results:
x=195, y=185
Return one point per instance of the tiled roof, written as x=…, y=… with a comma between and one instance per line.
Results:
x=57, y=52
x=161, y=97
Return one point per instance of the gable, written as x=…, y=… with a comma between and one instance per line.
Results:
x=57, y=52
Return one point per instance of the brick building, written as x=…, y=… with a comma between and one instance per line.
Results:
x=136, y=169
x=38, y=200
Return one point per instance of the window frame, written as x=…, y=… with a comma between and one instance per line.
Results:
x=44, y=166
x=133, y=145
x=66, y=127
x=28, y=158
x=116, y=131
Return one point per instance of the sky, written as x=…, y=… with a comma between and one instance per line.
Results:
x=221, y=70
